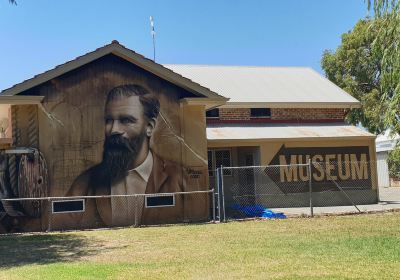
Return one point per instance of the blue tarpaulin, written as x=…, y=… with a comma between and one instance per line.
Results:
x=253, y=211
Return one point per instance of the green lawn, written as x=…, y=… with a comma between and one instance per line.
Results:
x=352, y=247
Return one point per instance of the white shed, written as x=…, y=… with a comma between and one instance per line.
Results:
x=384, y=144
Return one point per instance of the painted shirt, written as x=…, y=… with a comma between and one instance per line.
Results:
x=128, y=210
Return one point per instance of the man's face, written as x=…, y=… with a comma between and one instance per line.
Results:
x=125, y=134
x=124, y=116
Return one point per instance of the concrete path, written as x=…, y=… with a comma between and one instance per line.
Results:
x=389, y=200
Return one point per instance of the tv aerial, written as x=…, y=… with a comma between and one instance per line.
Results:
x=153, y=35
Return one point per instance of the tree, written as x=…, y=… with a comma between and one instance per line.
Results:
x=387, y=45
x=14, y=2
x=394, y=162
x=381, y=106
x=356, y=68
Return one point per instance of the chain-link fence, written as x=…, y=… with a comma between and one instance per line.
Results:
x=240, y=192
x=250, y=190
x=344, y=183
x=89, y=212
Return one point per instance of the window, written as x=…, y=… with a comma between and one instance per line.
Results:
x=153, y=201
x=213, y=114
x=68, y=206
x=260, y=112
x=216, y=158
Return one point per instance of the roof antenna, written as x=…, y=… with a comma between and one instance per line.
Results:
x=153, y=34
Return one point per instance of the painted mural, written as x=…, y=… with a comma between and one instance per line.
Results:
x=129, y=166
x=106, y=130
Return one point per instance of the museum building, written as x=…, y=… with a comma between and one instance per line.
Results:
x=281, y=116
x=208, y=116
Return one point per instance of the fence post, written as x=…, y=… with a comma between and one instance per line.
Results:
x=49, y=214
x=310, y=188
x=221, y=198
x=219, y=193
x=222, y=190
x=213, y=204
x=135, y=200
x=138, y=205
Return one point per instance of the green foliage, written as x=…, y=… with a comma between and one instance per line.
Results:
x=367, y=65
x=394, y=162
x=356, y=68
x=387, y=45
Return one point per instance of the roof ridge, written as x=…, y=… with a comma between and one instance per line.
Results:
x=239, y=66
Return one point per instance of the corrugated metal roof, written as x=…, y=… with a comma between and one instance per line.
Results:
x=246, y=84
x=293, y=132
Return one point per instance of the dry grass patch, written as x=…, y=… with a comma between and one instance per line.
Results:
x=356, y=247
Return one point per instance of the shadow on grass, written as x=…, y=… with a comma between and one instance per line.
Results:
x=18, y=250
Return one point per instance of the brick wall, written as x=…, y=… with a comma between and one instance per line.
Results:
x=307, y=114
x=236, y=114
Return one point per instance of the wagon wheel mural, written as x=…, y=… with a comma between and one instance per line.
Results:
x=33, y=182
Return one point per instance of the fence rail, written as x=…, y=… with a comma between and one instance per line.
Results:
x=99, y=211
x=100, y=196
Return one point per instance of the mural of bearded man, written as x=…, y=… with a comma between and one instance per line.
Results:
x=129, y=166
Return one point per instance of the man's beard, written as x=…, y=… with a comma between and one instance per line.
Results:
x=118, y=155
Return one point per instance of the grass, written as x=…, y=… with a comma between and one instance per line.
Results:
x=345, y=247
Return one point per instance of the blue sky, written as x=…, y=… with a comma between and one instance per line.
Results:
x=38, y=35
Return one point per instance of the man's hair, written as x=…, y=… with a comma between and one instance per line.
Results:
x=151, y=105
